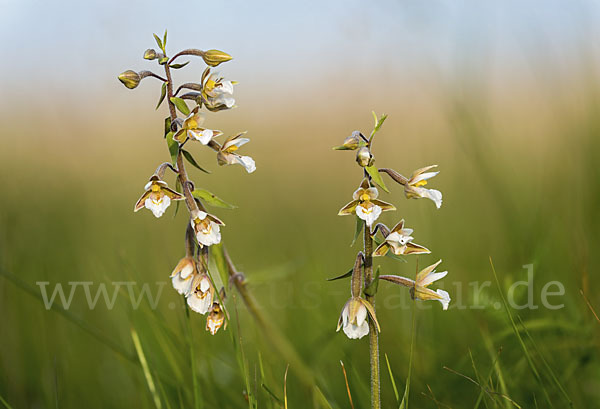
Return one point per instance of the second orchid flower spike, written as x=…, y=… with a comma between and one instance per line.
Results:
x=365, y=204
x=399, y=240
x=419, y=287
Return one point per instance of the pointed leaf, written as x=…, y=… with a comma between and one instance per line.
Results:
x=374, y=173
x=345, y=275
x=192, y=161
x=216, y=256
x=159, y=42
x=211, y=199
x=178, y=66
x=167, y=125
x=180, y=105
x=177, y=202
x=163, y=94
x=359, y=226
x=164, y=43
x=379, y=123
x=173, y=147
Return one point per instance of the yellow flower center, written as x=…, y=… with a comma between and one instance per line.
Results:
x=232, y=148
x=155, y=187
x=191, y=124
x=210, y=85
x=420, y=183
x=365, y=197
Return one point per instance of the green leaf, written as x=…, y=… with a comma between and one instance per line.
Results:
x=371, y=289
x=216, y=255
x=345, y=275
x=374, y=173
x=359, y=226
x=160, y=44
x=379, y=122
x=192, y=161
x=164, y=43
x=173, y=147
x=211, y=199
x=163, y=94
x=178, y=188
x=180, y=105
x=167, y=125
x=178, y=66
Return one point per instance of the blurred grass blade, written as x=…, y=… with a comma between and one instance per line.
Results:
x=94, y=332
x=589, y=305
x=285, y=405
x=517, y=333
x=546, y=365
x=404, y=402
x=5, y=403
x=190, y=337
x=147, y=374
x=396, y=394
x=347, y=385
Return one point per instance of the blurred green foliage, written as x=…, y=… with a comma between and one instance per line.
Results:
x=521, y=185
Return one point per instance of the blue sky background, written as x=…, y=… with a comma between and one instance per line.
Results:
x=50, y=44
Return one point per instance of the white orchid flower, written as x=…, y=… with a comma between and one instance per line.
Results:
x=419, y=288
x=157, y=197
x=227, y=155
x=365, y=204
x=206, y=227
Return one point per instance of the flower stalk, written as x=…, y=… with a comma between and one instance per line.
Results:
x=358, y=316
x=373, y=333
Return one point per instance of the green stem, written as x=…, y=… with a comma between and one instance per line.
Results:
x=373, y=336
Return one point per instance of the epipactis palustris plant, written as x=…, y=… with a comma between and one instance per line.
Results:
x=358, y=317
x=191, y=276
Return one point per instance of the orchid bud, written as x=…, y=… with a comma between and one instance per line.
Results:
x=150, y=54
x=364, y=157
x=215, y=57
x=130, y=79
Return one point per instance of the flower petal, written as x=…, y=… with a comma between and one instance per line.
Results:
x=348, y=208
x=247, y=162
x=140, y=203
